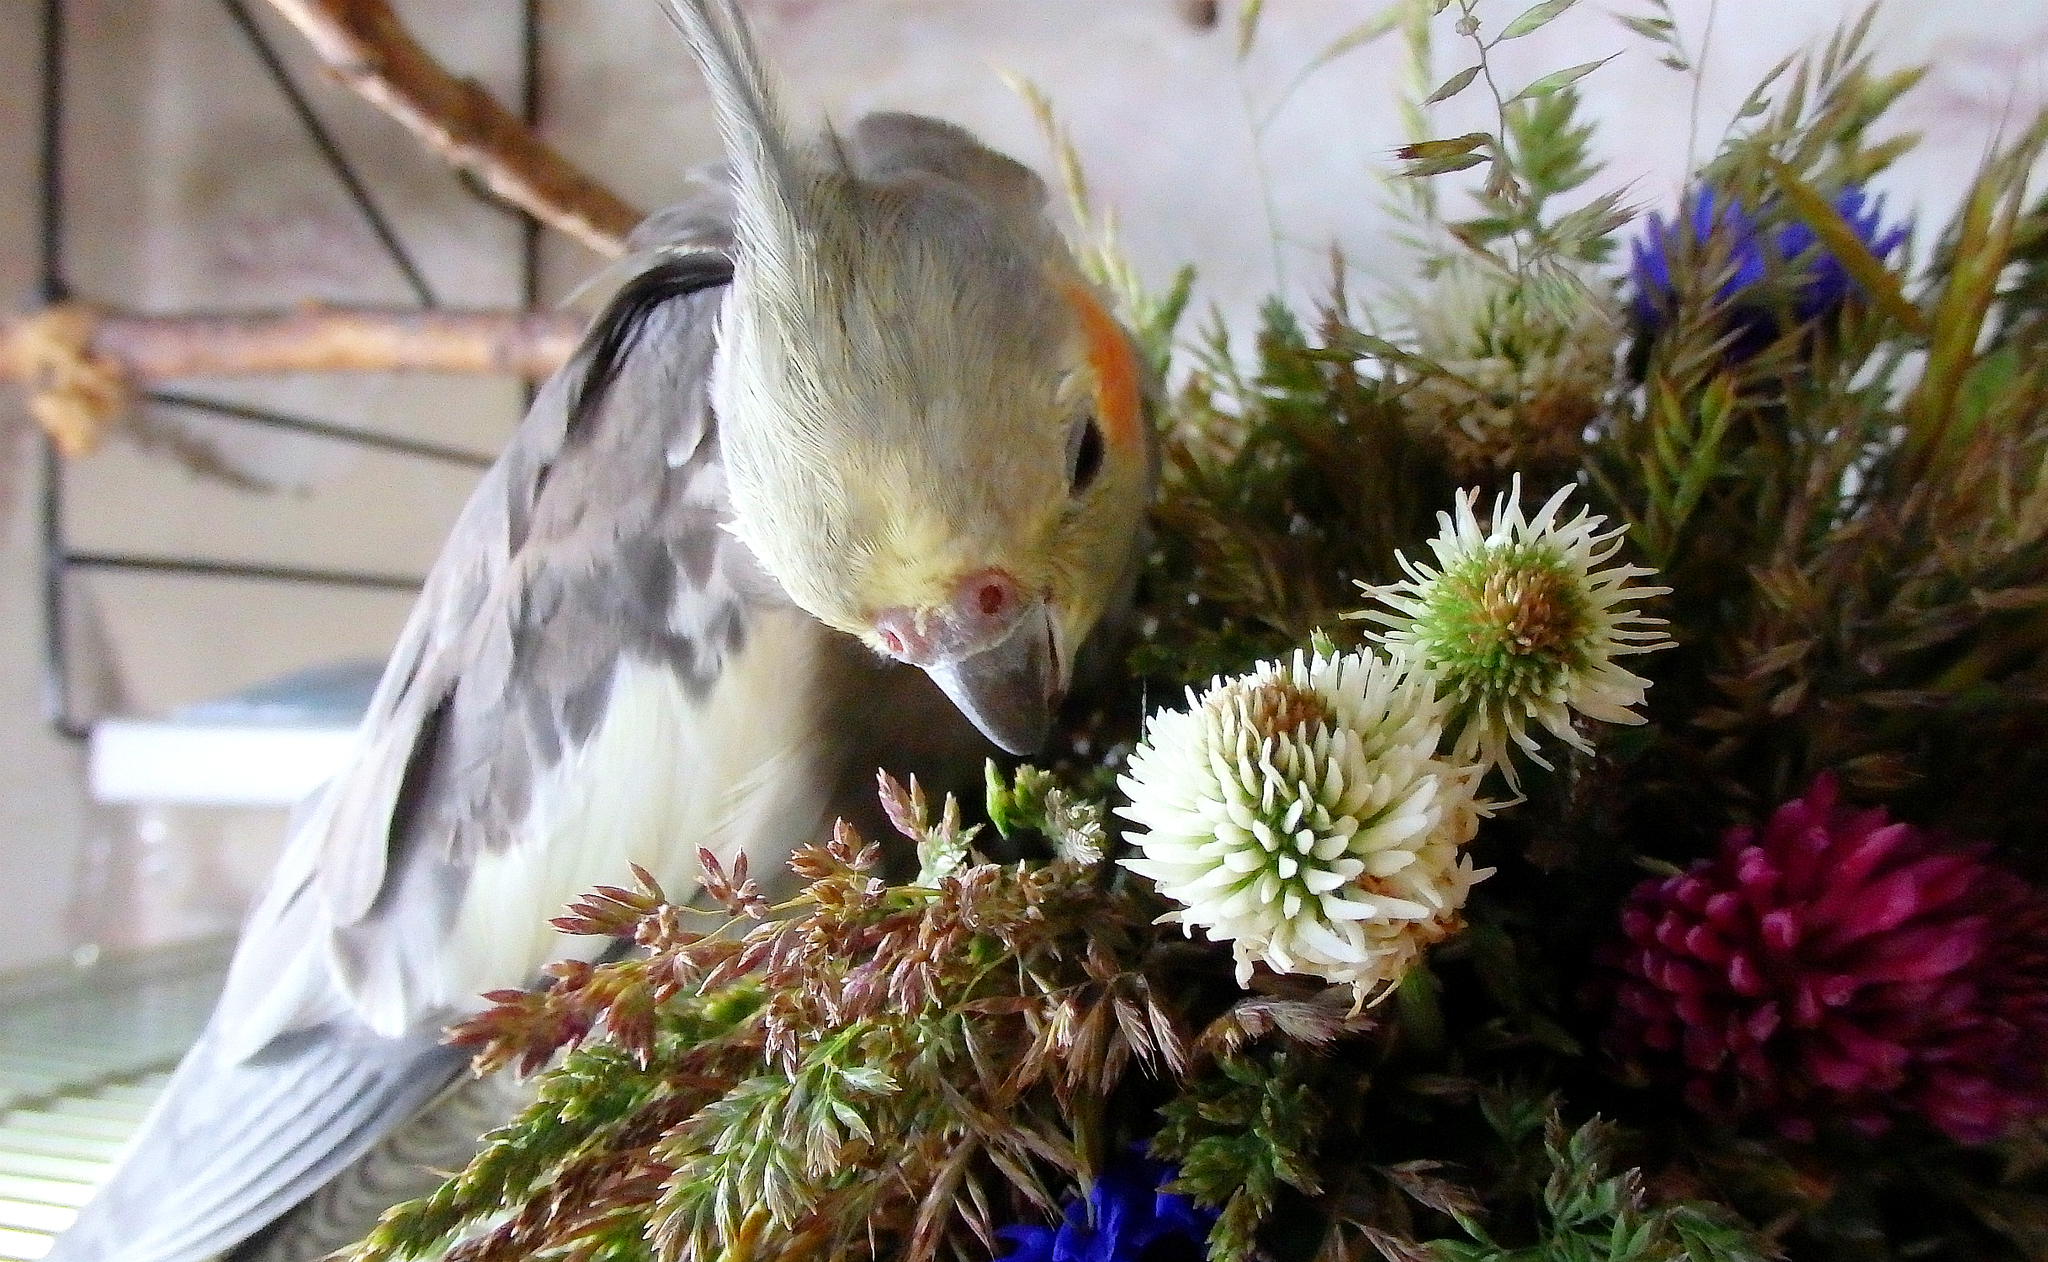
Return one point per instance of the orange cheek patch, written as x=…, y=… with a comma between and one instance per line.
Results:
x=1117, y=400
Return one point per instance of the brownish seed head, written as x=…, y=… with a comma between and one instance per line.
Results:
x=1275, y=707
x=1527, y=611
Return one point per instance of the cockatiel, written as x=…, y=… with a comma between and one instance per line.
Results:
x=855, y=426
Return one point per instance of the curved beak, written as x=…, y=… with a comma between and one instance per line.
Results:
x=1008, y=689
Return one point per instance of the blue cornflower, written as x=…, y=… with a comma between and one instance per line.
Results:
x=1126, y=1218
x=1816, y=279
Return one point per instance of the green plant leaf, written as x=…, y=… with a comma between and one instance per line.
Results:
x=1248, y=26
x=1534, y=18
x=1560, y=78
x=1443, y=166
x=1432, y=149
x=1841, y=240
x=1452, y=86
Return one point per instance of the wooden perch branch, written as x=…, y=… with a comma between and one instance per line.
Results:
x=148, y=349
x=364, y=43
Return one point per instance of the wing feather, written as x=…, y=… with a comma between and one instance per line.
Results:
x=572, y=555
x=185, y=1191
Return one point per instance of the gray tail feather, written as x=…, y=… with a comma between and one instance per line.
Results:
x=410, y=1162
x=230, y=1148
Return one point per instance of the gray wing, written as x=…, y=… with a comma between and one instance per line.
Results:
x=229, y=1149
x=411, y=1161
x=578, y=550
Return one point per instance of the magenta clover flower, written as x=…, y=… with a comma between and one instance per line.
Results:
x=1836, y=966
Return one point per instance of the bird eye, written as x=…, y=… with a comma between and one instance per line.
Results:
x=1084, y=454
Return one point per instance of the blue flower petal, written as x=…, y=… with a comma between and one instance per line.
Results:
x=1122, y=1218
x=1819, y=283
x=1034, y=1244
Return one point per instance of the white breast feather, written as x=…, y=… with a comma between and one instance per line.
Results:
x=659, y=777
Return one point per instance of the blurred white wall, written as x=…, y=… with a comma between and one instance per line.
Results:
x=190, y=187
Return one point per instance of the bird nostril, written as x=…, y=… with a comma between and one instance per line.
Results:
x=992, y=597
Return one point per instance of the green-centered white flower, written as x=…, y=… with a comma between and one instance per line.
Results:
x=1302, y=814
x=1522, y=621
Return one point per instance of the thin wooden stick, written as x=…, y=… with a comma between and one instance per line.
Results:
x=365, y=44
x=149, y=349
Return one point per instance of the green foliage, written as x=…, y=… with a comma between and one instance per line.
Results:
x=1239, y=1132
x=1852, y=512
x=1539, y=151
x=1282, y=490
x=1660, y=26
x=1852, y=537
x=1591, y=1215
x=730, y=1093
x=1077, y=826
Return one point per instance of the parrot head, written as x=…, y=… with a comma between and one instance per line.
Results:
x=934, y=432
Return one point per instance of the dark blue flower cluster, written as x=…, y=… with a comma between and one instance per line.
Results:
x=1817, y=283
x=1126, y=1218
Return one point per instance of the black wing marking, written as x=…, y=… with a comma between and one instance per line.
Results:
x=615, y=331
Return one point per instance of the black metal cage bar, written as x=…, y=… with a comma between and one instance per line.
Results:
x=57, y=556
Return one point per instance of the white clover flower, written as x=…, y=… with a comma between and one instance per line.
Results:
x=1522, y=621
x=1302, y=814
x=1525, y=363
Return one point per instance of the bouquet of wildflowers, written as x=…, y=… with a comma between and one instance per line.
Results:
x=1600, y=817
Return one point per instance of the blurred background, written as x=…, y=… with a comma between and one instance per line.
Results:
x=189, y=182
